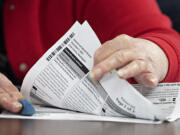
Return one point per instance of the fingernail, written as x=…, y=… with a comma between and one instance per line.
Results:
x=120, y=73
x=95, y=74
x=17, y=105
x=154, y=81
x=20, y=98
x=91, y=75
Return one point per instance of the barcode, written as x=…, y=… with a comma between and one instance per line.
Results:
x=51, y=55
x=65, y=42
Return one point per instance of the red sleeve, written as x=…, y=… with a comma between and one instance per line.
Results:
x=137, y=18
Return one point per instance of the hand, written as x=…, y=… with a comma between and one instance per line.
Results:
x=9, y=95
x=132, y=57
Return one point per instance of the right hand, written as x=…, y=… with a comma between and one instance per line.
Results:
x=141, y=59
x=9, y=95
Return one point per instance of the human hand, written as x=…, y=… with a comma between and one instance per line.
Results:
x=9, y=95
x=132, y=57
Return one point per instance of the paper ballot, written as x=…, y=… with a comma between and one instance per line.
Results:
x=60, y=79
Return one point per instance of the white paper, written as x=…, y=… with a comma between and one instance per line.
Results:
x=45, y=113
x=166, y=97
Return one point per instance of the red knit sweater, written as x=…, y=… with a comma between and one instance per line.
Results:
x=32, y=26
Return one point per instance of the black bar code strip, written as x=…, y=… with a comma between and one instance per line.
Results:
x=76, y=60
x=65, y=42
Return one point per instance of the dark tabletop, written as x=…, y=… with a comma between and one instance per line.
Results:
x=49, y=127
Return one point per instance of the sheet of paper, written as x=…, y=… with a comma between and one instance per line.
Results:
x=166, y=96
x=42, y=70
x=127, y=97
x=45, y=113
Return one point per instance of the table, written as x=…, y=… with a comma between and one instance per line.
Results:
x=50, y=127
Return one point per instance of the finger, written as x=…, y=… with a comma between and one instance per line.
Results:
x=8, y=103
x=147, y=79
x=13, y=92
x=132, y=69
x=8, y=86
x=108, y=48
x=4, y=80
x=117, y=60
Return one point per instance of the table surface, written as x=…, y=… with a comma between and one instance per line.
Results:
x=51, y=127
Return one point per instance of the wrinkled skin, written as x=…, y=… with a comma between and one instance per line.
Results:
x=132, y=57
x=9, y=95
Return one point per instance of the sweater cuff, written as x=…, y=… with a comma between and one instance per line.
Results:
x=171, y=55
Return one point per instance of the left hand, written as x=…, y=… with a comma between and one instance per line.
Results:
x=9, y=95
x=132, y=57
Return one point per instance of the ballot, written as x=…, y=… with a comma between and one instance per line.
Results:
x=59, y=86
